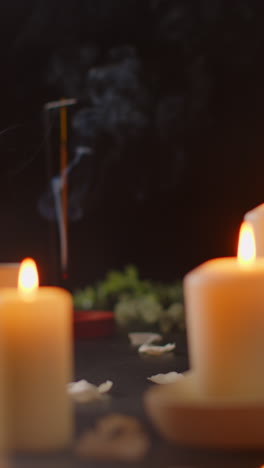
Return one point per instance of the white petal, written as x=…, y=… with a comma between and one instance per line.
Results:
x=156, y=350
x=105, y=386
x=80, y=386
x=83, y=391
x=139, y=338
x=170, y=377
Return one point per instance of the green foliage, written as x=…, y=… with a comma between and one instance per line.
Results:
x=85, y=298
x=137, y=303
x=145, y=309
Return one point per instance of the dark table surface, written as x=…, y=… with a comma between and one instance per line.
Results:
x=115, y=359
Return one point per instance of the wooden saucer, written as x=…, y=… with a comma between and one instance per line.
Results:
x=183, y=416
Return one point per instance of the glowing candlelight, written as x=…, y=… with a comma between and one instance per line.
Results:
x=224, y=301
x=246, y=252
x=37, y=325
x=256, y=219
x=28, y=276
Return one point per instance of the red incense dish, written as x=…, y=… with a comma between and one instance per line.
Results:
x=93, y=323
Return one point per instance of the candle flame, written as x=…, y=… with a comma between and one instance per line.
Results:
x=246, y=245
x=28, y=276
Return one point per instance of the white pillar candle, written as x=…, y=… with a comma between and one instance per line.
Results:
x=224, y=301
x=8, y=274
x=256, y=218
x=37, y=323
x=8, y=278
x=5, y=420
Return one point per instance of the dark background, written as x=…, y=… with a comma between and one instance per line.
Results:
x=170, y=103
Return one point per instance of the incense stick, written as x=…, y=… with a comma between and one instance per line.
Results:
x=64, y=189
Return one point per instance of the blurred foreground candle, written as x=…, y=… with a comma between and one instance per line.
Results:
x=37, y=323
x=224, y=300
x=8, y=275
x=256, y=218
x=4, y=406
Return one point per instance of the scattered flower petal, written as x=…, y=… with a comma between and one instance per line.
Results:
x=105, y=386
x=115, y=437
x=83, y=391
x=139, y=338
x=156, y=350
x=170, y=377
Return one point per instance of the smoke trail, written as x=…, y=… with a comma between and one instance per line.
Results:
x=49, y=204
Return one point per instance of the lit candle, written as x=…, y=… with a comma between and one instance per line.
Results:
x=4, y=407
x=8, y=274
x=256, y=218
x=224, y=300
x=37, y=324
x=8, y=278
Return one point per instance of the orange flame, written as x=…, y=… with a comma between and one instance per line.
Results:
x=246, y=252
x=28, y=276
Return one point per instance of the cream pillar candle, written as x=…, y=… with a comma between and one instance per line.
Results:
x=5, y=420
x=256, y=218
x=8, y=274
x=224, y=301
x=37, y=323
x=8, y=278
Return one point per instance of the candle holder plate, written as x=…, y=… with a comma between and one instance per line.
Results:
x=186, y=418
